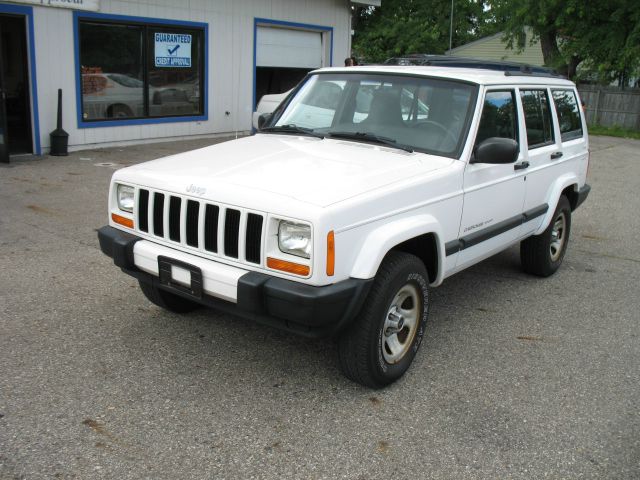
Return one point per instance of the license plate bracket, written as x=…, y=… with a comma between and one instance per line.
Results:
x=165, y=269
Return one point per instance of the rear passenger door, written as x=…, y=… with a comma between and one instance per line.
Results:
x=542, y=154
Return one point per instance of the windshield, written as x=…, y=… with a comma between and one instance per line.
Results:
x=418, y=113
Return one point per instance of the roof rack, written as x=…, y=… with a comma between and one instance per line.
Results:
x=509, y=68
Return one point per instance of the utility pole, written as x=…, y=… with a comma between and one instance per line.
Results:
x=451, y=29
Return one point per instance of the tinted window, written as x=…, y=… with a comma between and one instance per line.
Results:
x=498, y=116
x=568, y=114
x=537, y=116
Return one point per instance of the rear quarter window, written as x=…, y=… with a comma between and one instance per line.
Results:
x=568, y=114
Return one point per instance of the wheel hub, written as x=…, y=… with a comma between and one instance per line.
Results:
x=395, y=321
x=557, y=237
x=400, y=323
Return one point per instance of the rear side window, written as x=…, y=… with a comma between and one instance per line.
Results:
x=498, y=116
x=568, y=114
x=537, y=116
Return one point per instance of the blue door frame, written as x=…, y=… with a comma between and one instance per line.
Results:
x=27, y=12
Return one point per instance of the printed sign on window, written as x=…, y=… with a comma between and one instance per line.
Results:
x=172, y=50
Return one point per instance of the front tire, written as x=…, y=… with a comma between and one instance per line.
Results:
x=167, y=300
x=384, y=339
x=542, y=254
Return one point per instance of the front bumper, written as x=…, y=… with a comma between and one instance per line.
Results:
x=296, y=307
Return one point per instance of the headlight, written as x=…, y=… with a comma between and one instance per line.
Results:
x=294, y=238
x=125, y=198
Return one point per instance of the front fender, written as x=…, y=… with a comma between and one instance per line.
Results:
x=387, y=236
x=555, y=191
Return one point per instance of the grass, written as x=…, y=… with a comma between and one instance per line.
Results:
x=613, y=131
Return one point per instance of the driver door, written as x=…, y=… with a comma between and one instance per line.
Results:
x=493, y=194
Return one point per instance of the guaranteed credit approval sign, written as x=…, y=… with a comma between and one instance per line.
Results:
x=172, y=50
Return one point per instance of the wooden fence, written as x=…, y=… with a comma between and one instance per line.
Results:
x=610, y=106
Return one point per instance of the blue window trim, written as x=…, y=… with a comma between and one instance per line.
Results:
x=28, y=13
x=303, y=26
x=77, y=16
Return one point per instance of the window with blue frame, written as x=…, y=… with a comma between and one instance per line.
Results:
x=140, y=70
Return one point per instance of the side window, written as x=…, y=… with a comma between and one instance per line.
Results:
x=568, y=114
x=537, y=116
x=498, y=116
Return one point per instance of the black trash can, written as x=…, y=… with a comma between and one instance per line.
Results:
x=59, y=138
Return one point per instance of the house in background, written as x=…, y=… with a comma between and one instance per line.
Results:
x=495, y=48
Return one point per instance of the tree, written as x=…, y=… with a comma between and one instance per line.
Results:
x=605, y=35
x=400, y=27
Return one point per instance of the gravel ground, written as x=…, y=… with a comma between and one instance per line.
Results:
x=518, y=377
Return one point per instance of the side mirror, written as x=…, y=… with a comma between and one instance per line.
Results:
x=496, y=150
x=263, y=119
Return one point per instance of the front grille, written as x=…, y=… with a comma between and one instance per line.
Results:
x=211, y=228
x=197, y=224
x=231, y=233
x=252, y=241
x=193, y=208
x=158, y=214
x=143, y=210
x=175, y=204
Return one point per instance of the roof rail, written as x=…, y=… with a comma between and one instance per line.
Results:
x=509, y=68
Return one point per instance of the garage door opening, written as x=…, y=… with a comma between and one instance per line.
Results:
x=277, y=80
x=285, y=55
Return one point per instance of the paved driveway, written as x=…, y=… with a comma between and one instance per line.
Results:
x=517, y=378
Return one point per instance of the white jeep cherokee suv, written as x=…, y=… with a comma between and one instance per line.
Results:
x=364, y=188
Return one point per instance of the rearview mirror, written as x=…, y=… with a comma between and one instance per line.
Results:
x=496, y=150
x=263, y=119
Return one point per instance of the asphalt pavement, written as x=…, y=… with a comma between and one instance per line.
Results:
x=518, y=377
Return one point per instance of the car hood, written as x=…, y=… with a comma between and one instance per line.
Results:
x=311, y=170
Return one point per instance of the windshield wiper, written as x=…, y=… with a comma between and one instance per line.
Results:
x=291, y=128
x=371, y=137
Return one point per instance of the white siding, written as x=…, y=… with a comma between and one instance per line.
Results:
x=230, y=55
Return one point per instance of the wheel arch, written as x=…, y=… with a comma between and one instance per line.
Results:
x=420, y=235
x=567, y=185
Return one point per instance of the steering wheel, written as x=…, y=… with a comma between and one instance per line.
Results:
x=444, y=129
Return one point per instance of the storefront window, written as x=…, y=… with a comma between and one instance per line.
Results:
x=140, y=71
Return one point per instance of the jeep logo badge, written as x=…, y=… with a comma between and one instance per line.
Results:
x=196, y=190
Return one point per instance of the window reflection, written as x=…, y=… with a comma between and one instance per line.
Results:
x=111, y=58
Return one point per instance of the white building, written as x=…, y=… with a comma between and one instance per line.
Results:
x=147, y=70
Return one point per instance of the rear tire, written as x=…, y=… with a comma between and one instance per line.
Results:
x=384, y=339
x=542, y=254
x=167, y=300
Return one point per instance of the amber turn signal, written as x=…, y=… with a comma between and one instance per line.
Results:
x=331, y=253
x=120, y=220
x=288, y=267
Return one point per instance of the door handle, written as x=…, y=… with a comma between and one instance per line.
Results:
x=521, y=166
x=555, y=156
